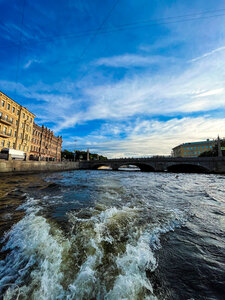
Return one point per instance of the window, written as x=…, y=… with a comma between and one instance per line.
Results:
x=8, y=144
x=8, y=106
x=206, y=147
x=10, y=131
x=184, y=153
x=13, y=109
x=191, y=148
x=21, y=125
x=195, y=152
x=14, y=145
x=27, y=117
x=202, y=147
x=31, y=148
x=21, y=135
x=198, y=147
x=31, y=119
x=194, y=147
x=210, y=146
x=15, y=134
x=0, y=114
x=6, y=117
x=2, y=143
x=199, y=152
x=3, y=103
x=23, y=115
x=18, y=112
x=11, y=120
x=16, y=122
x=19, y=147
x=5, y=130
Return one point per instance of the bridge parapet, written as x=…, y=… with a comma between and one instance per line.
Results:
x=207, y=164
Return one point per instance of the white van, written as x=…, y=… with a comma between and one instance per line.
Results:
x=15, y=154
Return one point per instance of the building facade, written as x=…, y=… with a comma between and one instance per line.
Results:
x=16, y=125
x=44, y=145
x=193, y=149
x=18, y=131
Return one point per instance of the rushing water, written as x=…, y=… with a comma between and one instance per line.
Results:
x=112, y=235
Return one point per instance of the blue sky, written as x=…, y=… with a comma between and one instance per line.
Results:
x=124, y=77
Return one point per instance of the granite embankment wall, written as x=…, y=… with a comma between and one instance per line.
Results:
x=16, y=166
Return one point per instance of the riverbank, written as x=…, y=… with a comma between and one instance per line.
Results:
x=28, y=167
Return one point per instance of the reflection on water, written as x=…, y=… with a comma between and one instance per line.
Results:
x=112, y=235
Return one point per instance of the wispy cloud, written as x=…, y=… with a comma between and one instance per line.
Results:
x=150, y=137
x=210, y=93
x=30, y=62
x=130, y=60
x=208, y=54
x=198, y=87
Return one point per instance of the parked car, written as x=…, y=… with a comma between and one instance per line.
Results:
x=15, y=154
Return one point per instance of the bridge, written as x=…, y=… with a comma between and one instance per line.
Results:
x=162, y=164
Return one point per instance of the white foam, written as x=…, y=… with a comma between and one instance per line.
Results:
x=37, y=250
x=32, y=245
x=133, y=282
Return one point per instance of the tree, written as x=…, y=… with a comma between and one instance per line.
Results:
x=80, y=155
x=214, y=151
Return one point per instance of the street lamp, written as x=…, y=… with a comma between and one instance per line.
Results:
x=74, y=154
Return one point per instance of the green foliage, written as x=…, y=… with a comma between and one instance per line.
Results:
x=80, y=155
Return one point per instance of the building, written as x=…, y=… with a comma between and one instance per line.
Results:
x=18, y=131
x=193, y=149
x=44, y=145
x=16, y=125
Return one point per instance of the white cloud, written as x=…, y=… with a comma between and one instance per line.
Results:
x=30, y=62
x=210, y=93
x=208, y=54
x=146, y=138
x=131, y=60
x=198, y=87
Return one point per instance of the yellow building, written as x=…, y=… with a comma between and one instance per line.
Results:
x=193, y=149
x=16, y=125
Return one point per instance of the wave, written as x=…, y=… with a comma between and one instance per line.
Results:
x=106, y=254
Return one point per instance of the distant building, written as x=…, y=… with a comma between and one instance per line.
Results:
x=44, y=145
x=16, y=125
x=18, y=131
x=193, y=149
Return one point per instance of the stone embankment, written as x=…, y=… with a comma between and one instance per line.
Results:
x=17, y=166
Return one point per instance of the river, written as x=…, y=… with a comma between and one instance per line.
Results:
x=112, y=235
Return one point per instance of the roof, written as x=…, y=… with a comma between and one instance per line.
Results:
x=197, y=143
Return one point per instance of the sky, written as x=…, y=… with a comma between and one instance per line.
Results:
x=124, y=78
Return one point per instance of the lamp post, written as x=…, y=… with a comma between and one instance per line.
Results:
x=74, y=154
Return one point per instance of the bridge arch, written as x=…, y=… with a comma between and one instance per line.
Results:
x=187, y=168
x=141, y=166
x=99, y=165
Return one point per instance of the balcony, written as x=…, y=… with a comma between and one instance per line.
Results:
x=5, y=135
x=5, y=121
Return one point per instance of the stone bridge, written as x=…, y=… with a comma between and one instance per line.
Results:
x=168, y=164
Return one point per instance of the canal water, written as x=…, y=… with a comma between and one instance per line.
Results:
x=112, y=235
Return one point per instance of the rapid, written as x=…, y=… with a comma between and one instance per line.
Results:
x=112, y=235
